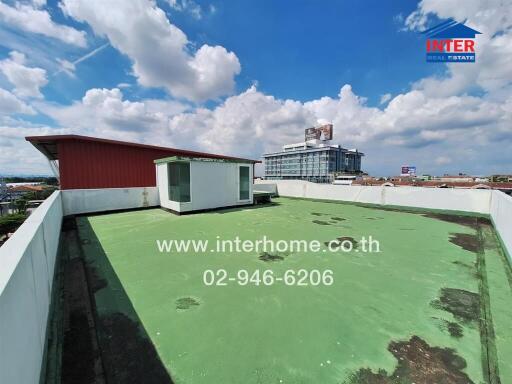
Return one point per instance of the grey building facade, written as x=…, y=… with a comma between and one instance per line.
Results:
x=311, y=162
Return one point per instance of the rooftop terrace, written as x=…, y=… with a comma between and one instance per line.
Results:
x=432, y=306
x=87, y=297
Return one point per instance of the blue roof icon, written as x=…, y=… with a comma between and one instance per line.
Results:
x=451, y=29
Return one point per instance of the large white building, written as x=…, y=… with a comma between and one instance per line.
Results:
x=311, y=160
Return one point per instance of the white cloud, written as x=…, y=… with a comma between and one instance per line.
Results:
x=411, y=128
x=439, y=125
x=38, y=3
x=18, y=156
x=410, y=120
x=104, y=113
x=31, y=18
x=189, y=6
x=10, y=104
x=159, y=50
x=27, y=81
x=246, y=124
x=385, y=98
x=492, y=71
x=443, y=160
x=489, y=15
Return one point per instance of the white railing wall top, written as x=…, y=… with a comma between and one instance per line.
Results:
x=14, y=248
x=27, y=263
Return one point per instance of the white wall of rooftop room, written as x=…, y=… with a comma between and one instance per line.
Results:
x=213, y=184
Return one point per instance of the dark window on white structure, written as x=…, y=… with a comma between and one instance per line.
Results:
x=244, y=182
x=179, y=181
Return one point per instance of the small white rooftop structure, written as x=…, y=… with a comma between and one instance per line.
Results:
x=193, y=184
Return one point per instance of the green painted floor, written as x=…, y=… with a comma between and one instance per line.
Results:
x=423, y=306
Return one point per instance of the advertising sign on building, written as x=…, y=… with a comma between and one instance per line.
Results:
x=408, y=170
x=323, y=133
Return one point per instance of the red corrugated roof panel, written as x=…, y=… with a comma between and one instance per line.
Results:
x=89, y=162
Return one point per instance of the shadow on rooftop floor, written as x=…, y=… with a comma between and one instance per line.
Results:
x=127, y=354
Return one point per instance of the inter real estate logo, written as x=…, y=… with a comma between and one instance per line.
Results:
x=451, y=42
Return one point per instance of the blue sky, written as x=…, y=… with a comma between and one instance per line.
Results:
x=246, y=77
x=301, y=52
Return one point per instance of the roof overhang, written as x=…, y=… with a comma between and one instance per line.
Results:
x=48, y=146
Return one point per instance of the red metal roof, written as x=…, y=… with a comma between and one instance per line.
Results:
x=47, y=145
x=90, y=162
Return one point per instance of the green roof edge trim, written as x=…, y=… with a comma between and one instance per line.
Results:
x=204, y=159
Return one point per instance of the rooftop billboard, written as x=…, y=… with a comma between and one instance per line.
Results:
x=408, y=170
x=323, y=133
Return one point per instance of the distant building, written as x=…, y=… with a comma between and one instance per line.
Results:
x=312, y=160
x=501, y=178
x=398, y=181
x=456, y=178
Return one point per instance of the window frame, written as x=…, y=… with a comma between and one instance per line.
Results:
x=239, y=192
x=178, y=186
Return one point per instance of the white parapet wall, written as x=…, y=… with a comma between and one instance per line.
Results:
x=468, y=200
x=27, y=263
x=78, y=201
x=446, y=199
x=501, y=214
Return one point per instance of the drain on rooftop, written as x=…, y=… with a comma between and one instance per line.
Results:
x=268, y=257
x=335, y=218
x=321, y=222
x=185, y=303
x=418, y=362
x=463, y=305
x=466, y=241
